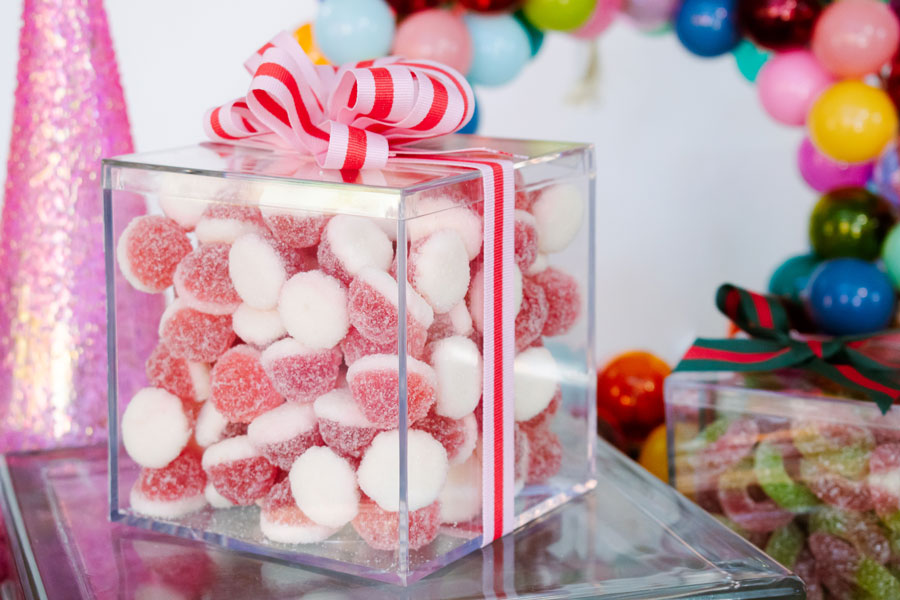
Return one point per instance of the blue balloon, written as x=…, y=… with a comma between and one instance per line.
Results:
x=886, y=175
x=472, y=125
x=708, y=27
x=354, y=30
x=500, y=48
x=848, y=296
x=791, y=278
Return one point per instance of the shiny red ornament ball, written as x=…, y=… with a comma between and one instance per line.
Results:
x=407, y=7
x=778, y=24
x=630, y=389
x=491, y=5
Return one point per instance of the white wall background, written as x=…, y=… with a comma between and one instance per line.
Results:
x=696, y=185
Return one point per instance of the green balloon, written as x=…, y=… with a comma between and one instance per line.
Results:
x=891, y=255
x=850, y=222
x=791, y=277
x=750, y=59
x=558, y=15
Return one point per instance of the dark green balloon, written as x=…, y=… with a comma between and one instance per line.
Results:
x=535, y=35
x=791, y=277
x=850, y=222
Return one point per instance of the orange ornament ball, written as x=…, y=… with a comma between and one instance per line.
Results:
x=654, y=454
x=304, y=37
x=630, y=388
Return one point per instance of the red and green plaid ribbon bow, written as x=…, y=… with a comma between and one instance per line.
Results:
x=772, y=346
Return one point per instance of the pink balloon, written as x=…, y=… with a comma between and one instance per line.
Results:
x=435, y=34
x=853, y=38
x=824, y=174
x=650, y=14
x=789, y=83
x=604, y=13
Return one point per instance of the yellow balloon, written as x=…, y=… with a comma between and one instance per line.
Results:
x=852, y=121
x=304, y=37
x=654, y=454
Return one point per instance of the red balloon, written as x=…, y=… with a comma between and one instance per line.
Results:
x=779, y=24
x=630, y=389
x=491, y=5
x=407, y=7
x=891, y=82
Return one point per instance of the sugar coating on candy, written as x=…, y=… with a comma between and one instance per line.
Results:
x=324, y=486
x=313, y=308
x=181, y=478
x=544, y=454
x=884, y=479
x=203, y=282
x=355, y=346
x=298, y=373
x=194, y=335
x=224, y=223
x=186, y=379
x=281, y=520
x=257, y=327
x=459, y=369
x=296, y=228
x=439, y=269
x=155, y=428
x=729, y=449
x=532, y=317
x=563, y=300
x=540, y=263
x=282, y=434
x=842, y=446
x=149, y=251
x=165, y=509
x=543, y=418
x=238, y=472
x=558, y=213
x=458, y=436
x=257, y=270
x=241, y=389
x=441, y=212
x=522, y=462
x=835, y=489
x=374, y=383
x=215, y=499
x=211, y=426
x=525, y=241
x=863, y=530
x=350, y=244
x=380, y=528
x=183, y=204
x=834, y=555
x=535, y=377
x=460, y=498
x=343, y=427
x=379, y=472
x=373, y=309
x=475, y=298
x=749, y=514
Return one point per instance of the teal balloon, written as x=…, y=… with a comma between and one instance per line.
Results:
x=500, y=48
x=791, y=277
x=535, y=35
x=890, y=253
x=354, y=30
x=750, y=59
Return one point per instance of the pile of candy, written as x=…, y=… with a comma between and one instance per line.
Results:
x=276, y=378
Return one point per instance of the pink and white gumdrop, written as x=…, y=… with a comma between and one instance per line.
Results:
x=355, y=346
x=427, y=466
x=458, y=436
x=296, y=228
x=438, y=269
x=563, y=300
x=522, y=458
x=149, y=251
x=544, y=417
x=213, y=427
x=525, y=240
x=155, y=428
x=343, y=427
x=298, y=373
x=544, y=454
x=313, y=308
x=535, y=377
x=257, y=327
x=214, y=498
x=186, y=379
x=324, y=487
x=224, y=223
x=172, y=491
x=475, y=297
x=282, y=434
x=533, y=315
x=241, y=389
x=558, y=212
x=281, y=520
x=380, y=529
x=258, y=270
x=457, y=321
x=238, y=472
x=374, y=384
x=442, y=212
x=194, y=335
x=350, y=244
x=460, y=497
x=203, y=282
x=459, y=369
x=373, y=309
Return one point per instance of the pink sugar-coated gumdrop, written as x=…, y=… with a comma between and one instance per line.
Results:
x=728, y=450
x=186, y=379
x=211, y=426
x=522, y=457
x=324, y=486
x=257, y=327
x=374, y=383
x=438, y=268
x=350, y=244
x=884, y=475
x=835, y=489
x=282, y=434
x=298, y=373
x=543, y=418
x=194, y=335
x=297, y=229
x=563, y=300
x=203, y=282
x=544, y=454
x=259, y=265
x=457, y=321
x=526, y=246
x=458, y=436
x=378, y=473
x=448, y=212
x=380, y=528
x=149, y=251
x=241, y=390
x=238, y=472
x=475, y=297
x=313, y=309
x=343, y=427
x=281, y=520
x=461, y=495
x=355, y=346
x=533, y=315
x=182, y=478
x=459, y=368
x=372, y=306
x=156, y=427
x=739, y=506
x=224, y=223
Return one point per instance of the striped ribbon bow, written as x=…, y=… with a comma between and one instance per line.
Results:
x=843, y=360
x=348, y=118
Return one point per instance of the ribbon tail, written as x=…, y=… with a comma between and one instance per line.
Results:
x=877, y=386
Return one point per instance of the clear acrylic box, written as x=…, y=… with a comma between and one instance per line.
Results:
x=272, y=416
x=797, y=465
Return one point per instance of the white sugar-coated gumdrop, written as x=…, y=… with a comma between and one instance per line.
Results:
x=357, y=242
x=324, y=486
x=379, y=472
x=210, y=426
x=386, y=286
x=257, y=271
x=224, y=223
x=459, y=368
x=559, y=212
x=215, y=499
x=290, y=533
x=338, y=406
x=154, y=428
x=228, y=450
x=183, y=199
x=439, y=269
x=540, y=264
x=257, y=327
x=442, y=212
x=165, y=509
x=470, y=441
x=199, y=373
x=476, y=296
x=281, y=424
x=536, y=376
x=461, y=495
x=313, y=308
x=461, y=319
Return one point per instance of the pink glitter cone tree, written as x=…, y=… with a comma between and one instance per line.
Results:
x=69, y=113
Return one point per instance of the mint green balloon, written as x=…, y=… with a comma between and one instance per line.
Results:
x=890, y=253
x=750, y=59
